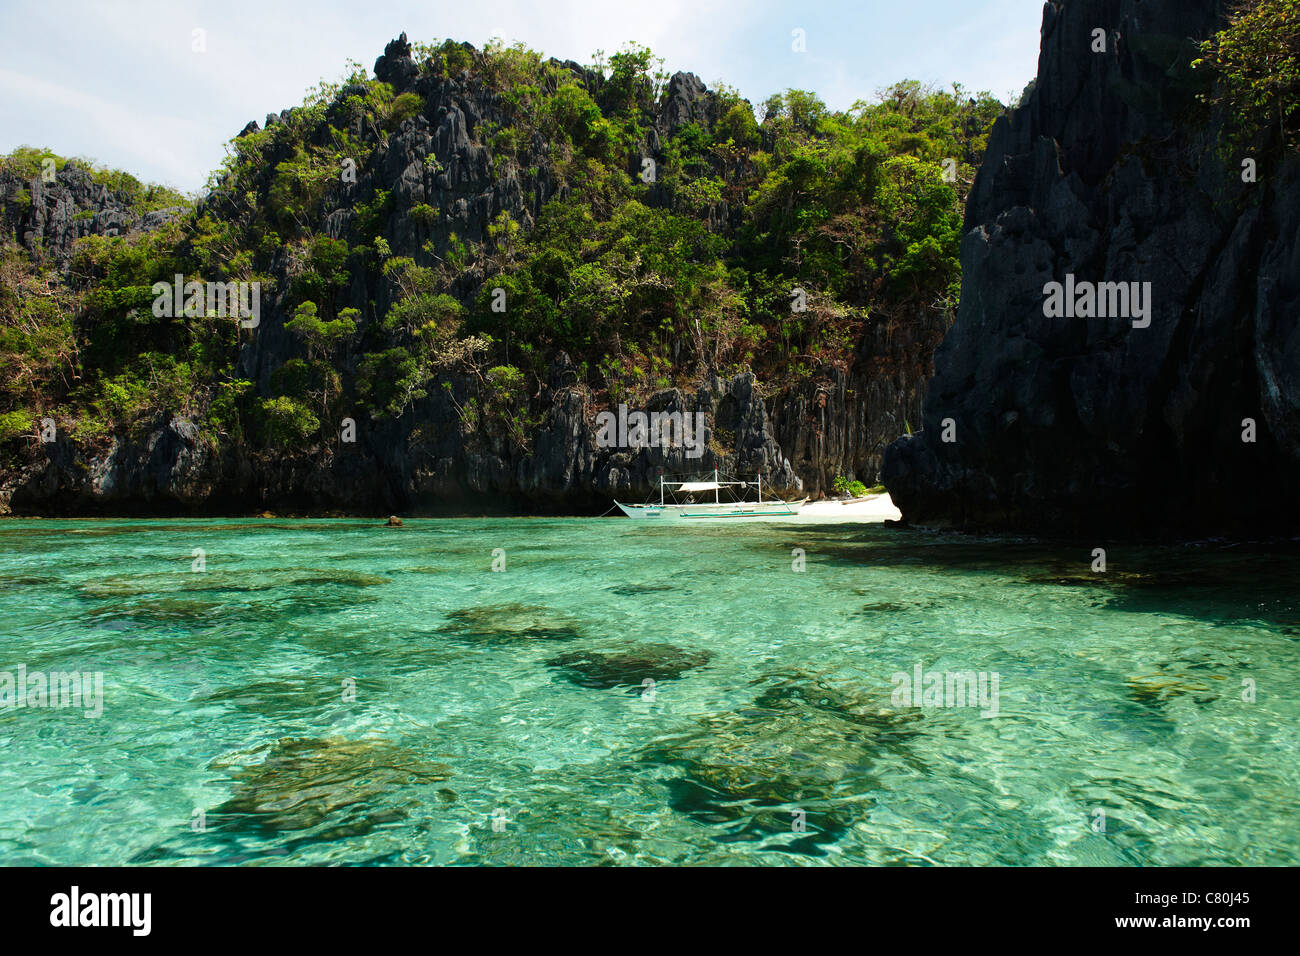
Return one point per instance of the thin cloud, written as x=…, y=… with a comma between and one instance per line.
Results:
x=164, y=113
x=95, y=119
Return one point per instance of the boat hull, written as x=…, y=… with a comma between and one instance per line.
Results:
x=730, y=511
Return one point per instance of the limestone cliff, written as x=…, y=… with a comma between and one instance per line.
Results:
x=1111, y=171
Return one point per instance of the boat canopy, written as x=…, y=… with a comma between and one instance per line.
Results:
x=697, y=485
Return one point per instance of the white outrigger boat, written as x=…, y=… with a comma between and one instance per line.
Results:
x=717, y=508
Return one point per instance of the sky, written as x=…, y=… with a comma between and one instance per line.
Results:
x=120, y=81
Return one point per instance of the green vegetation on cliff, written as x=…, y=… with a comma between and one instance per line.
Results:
x=1257, y=61
x=779, y=246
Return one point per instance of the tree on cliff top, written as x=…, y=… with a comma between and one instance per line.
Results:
x=1258, y=61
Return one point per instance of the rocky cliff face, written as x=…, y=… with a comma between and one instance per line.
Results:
x=47, y=217
x=175, y=470
x=836, y=422
x=1110, y=172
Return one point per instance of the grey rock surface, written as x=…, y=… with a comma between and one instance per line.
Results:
x=837, y=421
x=1111, y=171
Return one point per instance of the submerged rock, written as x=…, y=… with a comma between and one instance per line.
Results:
x=509, y=623
x=804, y=745
x=887, y=606
x=304, y=782
x=603, y=670
x=20, y=582
x=276, y=698
x=217, y=581
x=1160, y=688
x=636, y=590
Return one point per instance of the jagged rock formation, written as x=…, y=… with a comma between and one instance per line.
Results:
x=1111, y=171
x=48, y=217
x=836, y=422
x=175, y=469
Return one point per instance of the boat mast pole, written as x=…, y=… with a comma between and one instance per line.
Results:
x=760, y=484
x=717, y=493
x=661, y=487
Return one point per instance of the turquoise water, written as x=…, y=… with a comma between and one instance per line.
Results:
x=504, y=717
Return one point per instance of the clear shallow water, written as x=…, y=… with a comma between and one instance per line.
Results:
x=520, y=695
